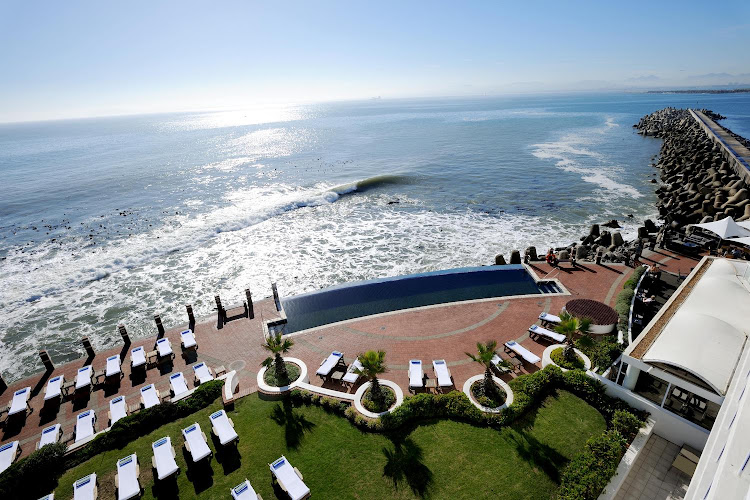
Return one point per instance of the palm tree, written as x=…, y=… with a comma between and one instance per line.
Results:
x=278, y=345
x=570, y=326
x=373, y=364
x=485, y=353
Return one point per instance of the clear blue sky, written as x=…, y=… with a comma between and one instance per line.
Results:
x=72, y=58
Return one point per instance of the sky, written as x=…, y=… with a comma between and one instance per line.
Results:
x=79, y=58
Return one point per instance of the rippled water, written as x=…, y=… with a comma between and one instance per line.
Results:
x=112, y=220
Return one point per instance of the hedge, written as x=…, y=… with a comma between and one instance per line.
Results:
x=590, y=471
x=35, y=475
x=125, y=430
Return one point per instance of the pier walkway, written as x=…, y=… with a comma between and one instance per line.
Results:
x=445, y=331
x=736, y=154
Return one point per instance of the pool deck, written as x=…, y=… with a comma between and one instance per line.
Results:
x=435, y=332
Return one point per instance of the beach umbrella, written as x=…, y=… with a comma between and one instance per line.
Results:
x=725, y=228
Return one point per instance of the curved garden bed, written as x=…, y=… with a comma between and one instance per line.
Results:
x=555, y=351
x=499, y=382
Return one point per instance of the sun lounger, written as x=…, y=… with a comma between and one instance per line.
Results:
x=54, y=388
x=244, y=491
x=520, y=350
x=351, y=376
x=113, y=366
x=164, y=347
x=177, y=384
x=416, y=374
x=497, y=362
x=328, y=364
x=149, y=396
x=195, y=442
x=85, y=425
x=547, y=318
x=8, y=454
x=117, y=409
x=138, y=357
x=223, y=427
x=84, y=377
x=442, y=372
x=85, y=488
x=20, y=401
x=51, y=496
x=50, y=435
x=163, y=459
x=538, y=330
x=126, y=479
x=290, y=479
x=188, y=340
x=203, y=373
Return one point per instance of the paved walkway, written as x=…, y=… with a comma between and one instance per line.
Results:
x=436, y=332
x=652, y=476
x=731, y=145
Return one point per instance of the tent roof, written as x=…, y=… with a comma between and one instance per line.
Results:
x=707, y=334
x=725, y=228
x=742, y=241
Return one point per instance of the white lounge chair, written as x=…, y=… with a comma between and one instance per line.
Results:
x=223, y=427
x=51, y=496
x=117, y=409
x=137, y=357
x=538, y=330
x=50, y=435
x=244, y=491
x=178, y=384
x=126, y=479
x=188, y=339
x=85, y=488
x=203, y=373
x=520, y=350
x=416, y=374
x=328, y=364
x=164, y=347
x=84, y=378
x=351, y=377
x=20, y=401
x=442, y=372
x=149, y=396
x=195, y=442
x=547, y=318
x=497, y=362
x=54, y=388
x=8, y=454
x=290, y=479
x=113, y=366
x=163, y=458
x=85, y=425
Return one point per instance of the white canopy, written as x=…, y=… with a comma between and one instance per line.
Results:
x=707, y=334
x=742, y=241
x=725, y=228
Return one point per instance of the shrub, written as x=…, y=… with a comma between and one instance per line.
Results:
x=387, y=399
x=588, y=473
x=602, y=353
x=558, y=356
x=626, y=423
x=145, y=421
x=35, y=475
x=454, y=405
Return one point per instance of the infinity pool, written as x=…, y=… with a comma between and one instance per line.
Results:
x=363, y=298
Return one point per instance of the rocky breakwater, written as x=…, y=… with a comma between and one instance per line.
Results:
x=697, y=183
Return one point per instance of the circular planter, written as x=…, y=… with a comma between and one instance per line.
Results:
x=547, y=357
x=263, y=387
x=603, y=318
x=361, y=392
x=506, y=388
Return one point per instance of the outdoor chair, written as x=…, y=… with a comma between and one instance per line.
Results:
x=351, y=377
x=163, y=459
x=196, y=443
x=203, y=373
x=85, y=425
x=84, y=378
x=187, y=339
x=138, y=357
x=549, y=319
x=113, y=367
x=149, y=396
x=20, y=401
x=50, y=435
x=178, y=384
x=127, y=478
x=289, y=479
x=535, y=331
x=244, y=491
x=117, y=409
x=520, y=350
x=443, y=373
x=223, y=427
x=8, y=454
x=53, y=391
x=86, y=488
x=164, y=348
x=328, y=364
x=416, y=374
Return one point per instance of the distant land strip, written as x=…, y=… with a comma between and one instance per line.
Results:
x=697, y=91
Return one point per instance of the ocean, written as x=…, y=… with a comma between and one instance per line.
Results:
x=113, y=220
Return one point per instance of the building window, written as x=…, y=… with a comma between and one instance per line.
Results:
x=651, y=388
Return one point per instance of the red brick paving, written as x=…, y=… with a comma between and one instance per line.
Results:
x=439, y=332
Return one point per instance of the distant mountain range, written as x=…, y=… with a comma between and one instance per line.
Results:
x=701, y=91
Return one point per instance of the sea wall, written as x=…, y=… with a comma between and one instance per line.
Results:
x=697, y=182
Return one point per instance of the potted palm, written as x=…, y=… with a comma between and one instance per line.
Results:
x=571, y=326
x=488, y=394
x=277, y=345
x=373, y=364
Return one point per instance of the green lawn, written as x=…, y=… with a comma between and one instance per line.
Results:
x=437, y=459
